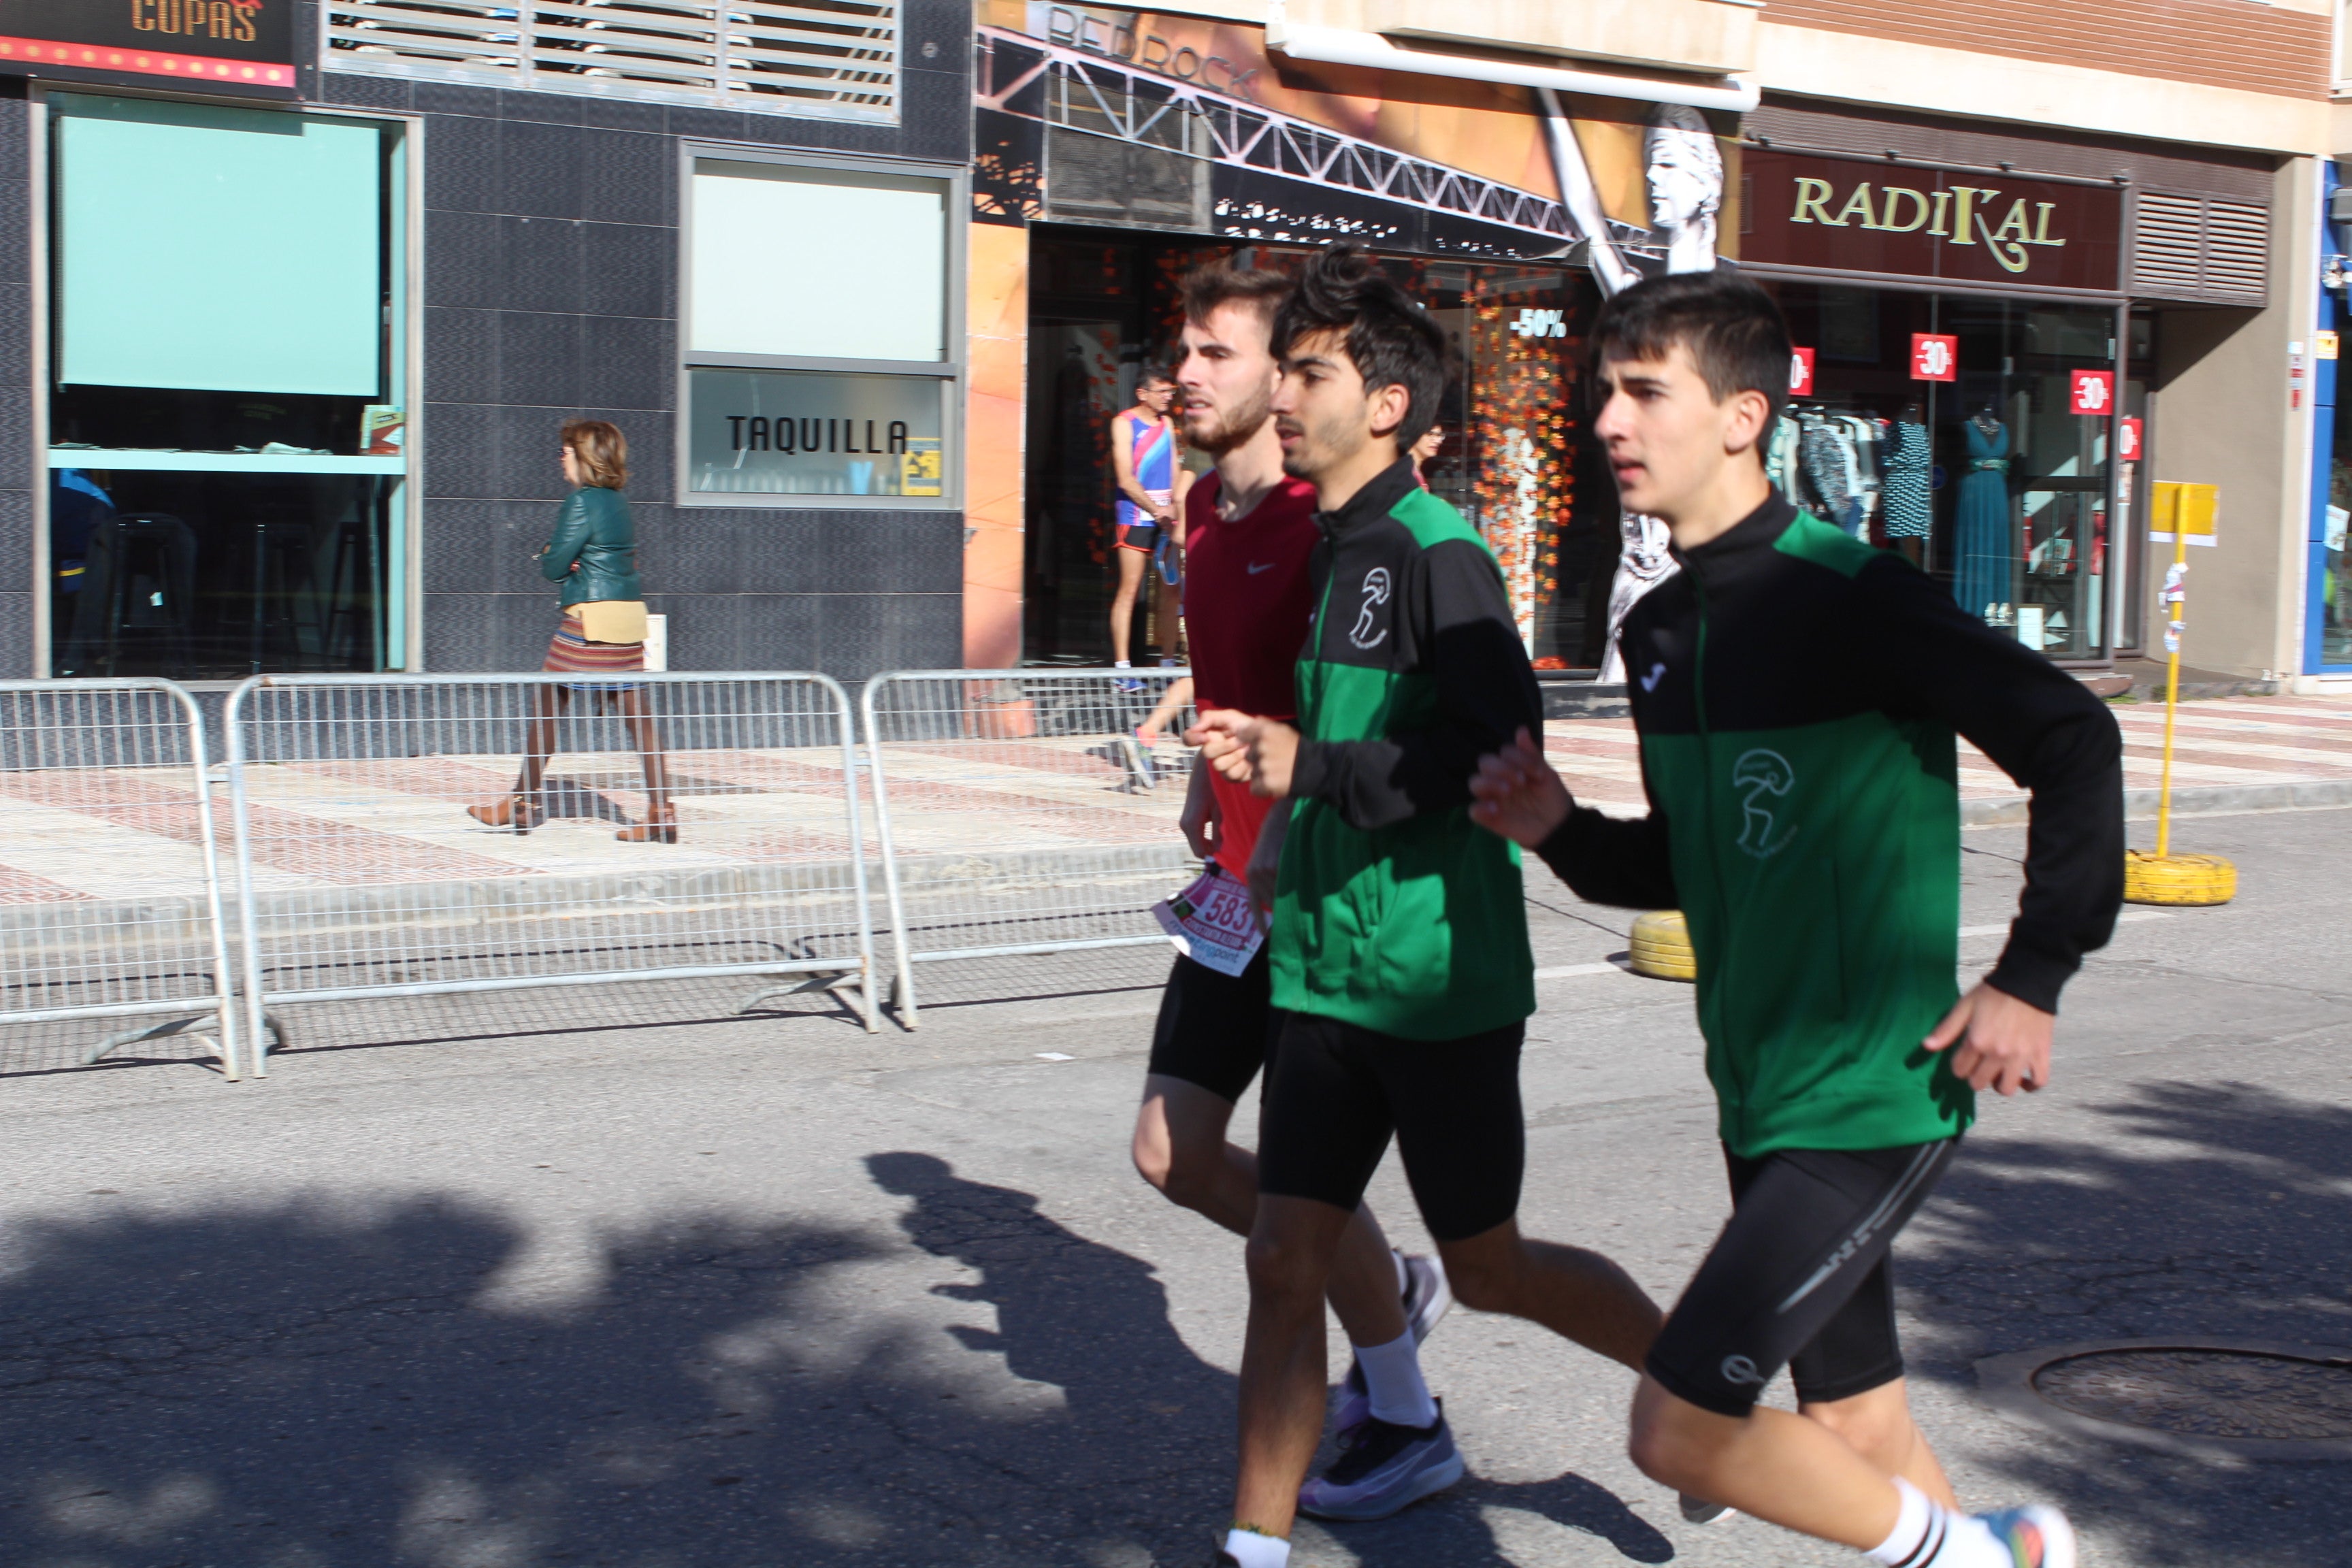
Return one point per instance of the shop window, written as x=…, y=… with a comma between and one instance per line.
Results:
x=822, y=338
x=225, y=429
x=1514, y=455
x=1973, y=433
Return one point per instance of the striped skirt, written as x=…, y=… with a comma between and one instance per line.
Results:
x=569, y=652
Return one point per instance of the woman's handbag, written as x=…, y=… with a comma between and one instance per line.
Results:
x=612, y=620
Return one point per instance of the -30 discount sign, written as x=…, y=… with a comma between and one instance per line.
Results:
x=2091, y=392
x=1934, y=356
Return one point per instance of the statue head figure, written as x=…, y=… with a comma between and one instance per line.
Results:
x=1686, y=178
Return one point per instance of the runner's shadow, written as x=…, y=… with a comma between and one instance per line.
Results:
x=1151, y=1425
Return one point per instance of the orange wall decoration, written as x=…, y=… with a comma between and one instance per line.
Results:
x=997, y=347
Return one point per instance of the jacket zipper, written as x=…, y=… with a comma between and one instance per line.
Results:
x=1732, y=1064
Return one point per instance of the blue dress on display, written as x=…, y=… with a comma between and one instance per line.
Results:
x=1983, y=525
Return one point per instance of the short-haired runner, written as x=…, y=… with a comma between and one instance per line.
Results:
x=1144, y=467
x=1796, y=694
x=1252, y=529
x=1399, y=937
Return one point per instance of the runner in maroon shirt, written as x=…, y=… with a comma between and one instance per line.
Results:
x=1249, y=530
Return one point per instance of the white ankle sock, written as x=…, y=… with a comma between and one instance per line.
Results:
x=1251, y=1550
x=1122, y=664
x=1392, y=1375
x=1928, y=1535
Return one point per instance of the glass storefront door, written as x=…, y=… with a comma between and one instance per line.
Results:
x=1972, y=432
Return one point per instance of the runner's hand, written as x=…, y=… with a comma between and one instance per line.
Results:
x=1255, y=751
x=2004, y=1044
x=1204, y=827
x=1515, y=794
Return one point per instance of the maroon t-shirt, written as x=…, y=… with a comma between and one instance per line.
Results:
x=1247, y=608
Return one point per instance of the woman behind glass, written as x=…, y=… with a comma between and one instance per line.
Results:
x=594, y=555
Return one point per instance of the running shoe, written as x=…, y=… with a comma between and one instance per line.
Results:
x=1223, y=1560
x=1427, y=1298
x=1383, y=1469
x=2035, y=1537
x=1696, y=1509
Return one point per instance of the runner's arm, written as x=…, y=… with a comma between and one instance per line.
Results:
x=1485, y=694
x=2045, y=731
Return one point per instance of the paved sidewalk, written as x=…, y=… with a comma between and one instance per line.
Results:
x=122, y=834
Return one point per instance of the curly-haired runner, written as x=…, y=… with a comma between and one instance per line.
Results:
x=1399, y=941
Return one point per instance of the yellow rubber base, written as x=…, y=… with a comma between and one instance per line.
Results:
x=1661, y=946
x=2178, y=878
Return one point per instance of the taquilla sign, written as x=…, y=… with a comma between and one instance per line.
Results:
x=1867, y=216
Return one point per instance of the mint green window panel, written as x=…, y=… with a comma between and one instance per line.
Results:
x=218, y=249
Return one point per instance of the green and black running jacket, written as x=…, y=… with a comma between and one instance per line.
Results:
x=1796, y=693
x=1393, y=910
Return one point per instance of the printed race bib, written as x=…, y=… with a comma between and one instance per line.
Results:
x=1211, y=923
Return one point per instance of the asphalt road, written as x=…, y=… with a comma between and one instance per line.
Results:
x=618, y=1277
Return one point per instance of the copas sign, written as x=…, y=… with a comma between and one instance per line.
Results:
x=240, y=46
x=1856, y=216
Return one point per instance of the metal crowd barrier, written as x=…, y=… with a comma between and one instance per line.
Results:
x=360, y=874
x=110, y=881
x=1018, y=814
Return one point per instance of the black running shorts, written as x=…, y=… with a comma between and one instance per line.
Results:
x=1215, y=1030
x=1799, y=1279
x=1336, y=1093
x=1141, y=537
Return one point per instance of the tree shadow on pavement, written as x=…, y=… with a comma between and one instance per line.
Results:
x=326, y=1383
x=2205, y=1210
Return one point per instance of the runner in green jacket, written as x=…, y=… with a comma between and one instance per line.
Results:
x=1796, y=694
x=1399, y=943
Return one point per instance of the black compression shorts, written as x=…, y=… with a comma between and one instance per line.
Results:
x=1336, y=1093
x=1799, y=1279
x=1215, y=1030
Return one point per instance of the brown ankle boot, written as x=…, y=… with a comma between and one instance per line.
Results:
x=660, y=827
x=519, y=812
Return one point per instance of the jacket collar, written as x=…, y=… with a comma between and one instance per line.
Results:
x=1380, y=492
x=1760, y=529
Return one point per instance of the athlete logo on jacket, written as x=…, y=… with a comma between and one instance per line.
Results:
x=1376, y=592
x=1766, y=776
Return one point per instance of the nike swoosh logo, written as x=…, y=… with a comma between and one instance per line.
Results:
x=1255, y=568
x=1650, y=681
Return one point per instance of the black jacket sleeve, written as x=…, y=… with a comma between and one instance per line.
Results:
x=2045, y=731
x=1606, y=859
x=1485, y=694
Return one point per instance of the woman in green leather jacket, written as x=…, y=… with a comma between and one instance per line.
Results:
x=594, y=555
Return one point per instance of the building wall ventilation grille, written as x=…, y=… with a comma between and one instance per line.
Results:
x=830, y=59
x=2197, y=247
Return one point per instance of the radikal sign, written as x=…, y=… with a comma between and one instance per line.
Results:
x=240, y=46
x=1864, y=216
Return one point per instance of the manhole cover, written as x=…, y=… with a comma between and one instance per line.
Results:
x=2206, y=1393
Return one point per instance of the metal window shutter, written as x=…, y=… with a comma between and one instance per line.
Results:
x=2200, y=248
x=829, y=58
x=2237, y=250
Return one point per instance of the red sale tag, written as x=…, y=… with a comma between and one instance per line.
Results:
x=2128, y=444
x=1934, y=356
x=1800, y=372
x=2092, y=392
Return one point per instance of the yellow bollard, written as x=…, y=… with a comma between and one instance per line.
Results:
x=1661, y=946
x=2165, y=877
